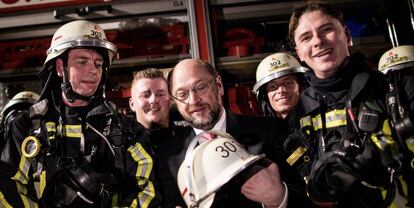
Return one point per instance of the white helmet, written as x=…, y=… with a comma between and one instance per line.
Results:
x=80, y=33
x=75, y=34
x=275, y=66
x=397, y=58
x=21, y=100
x=211, y=165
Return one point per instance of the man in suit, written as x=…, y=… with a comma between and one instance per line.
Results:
x=197, y=89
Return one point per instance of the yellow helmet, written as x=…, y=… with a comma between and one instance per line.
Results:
x=397, y=58
x=275, y=66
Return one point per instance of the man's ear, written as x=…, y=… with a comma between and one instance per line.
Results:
x=220, y=87
x=348, y=36
x=131, y=104
x=59, y=67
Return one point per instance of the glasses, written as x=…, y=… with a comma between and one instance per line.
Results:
x=287, y=83
x=200, y=88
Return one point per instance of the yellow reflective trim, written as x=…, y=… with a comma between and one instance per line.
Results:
x=386, y=129
x=146, y=195
x=383, y=138
x=376, y=142
x=74, y=131
x=296, y=155
x=3, y=202
x=144, y=168
x=51, y=126
x=23, y=171
x=140, y=155
x=40, y=186
x=305, y=121
x=42, y=182
x=21, y=188
x=334, y=118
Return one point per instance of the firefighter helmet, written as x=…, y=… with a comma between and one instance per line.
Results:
x=397, y=58
x=79, y=33
x=223, y=156
x=275, y=66
x=20, y=101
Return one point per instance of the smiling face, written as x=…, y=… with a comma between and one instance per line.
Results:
x=150, y=102
x=84, y=70
x=202, y=108
x=322, y=42
x=283, y=94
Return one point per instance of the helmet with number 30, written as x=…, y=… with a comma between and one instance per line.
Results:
x=210, y=165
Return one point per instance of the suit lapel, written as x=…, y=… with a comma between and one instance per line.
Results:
x=176, y=159
x=232, y=124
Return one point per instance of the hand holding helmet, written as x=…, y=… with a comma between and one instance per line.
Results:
x=210, y=165
x=265, y=187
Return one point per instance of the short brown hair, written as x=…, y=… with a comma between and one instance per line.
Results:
x=310, y=6
x=150, y=73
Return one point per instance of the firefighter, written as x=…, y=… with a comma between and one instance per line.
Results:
x=279, y=82
x=343, y=146
x=397, y=64
x=72, y=149
x=19, y=102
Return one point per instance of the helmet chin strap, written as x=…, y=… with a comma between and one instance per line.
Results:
x=71, y=95
x=66, y=87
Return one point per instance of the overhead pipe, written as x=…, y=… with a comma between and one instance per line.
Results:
x=392, y=33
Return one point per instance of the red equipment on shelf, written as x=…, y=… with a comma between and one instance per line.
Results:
x=147, y=40
x=242, y=42
x=242, y=100
x=23, y=53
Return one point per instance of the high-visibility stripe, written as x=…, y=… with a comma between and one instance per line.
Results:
x=40, y=186
x=74, y=131
x=383, y=138
x=51, y=128
x=23, y=171
x=3, y=202
x=334, y=118
x=144, y=168
x=22, y=190
x=146, y=195
x=68, y=130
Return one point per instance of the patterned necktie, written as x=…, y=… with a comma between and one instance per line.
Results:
x=209, y=136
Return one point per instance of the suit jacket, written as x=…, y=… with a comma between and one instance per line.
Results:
x=256, y=134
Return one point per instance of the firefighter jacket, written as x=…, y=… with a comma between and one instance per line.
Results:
x=346, y=158
x=60, y=156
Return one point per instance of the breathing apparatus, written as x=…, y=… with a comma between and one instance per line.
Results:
x=273, y=67
x=76, y=34
x=210, y=165
x=20, y=102
x=391, y=64
x=357, y=157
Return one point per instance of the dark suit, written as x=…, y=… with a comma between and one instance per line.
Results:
x=256, y=134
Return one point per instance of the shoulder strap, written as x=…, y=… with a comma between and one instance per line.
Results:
x=357, y=85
